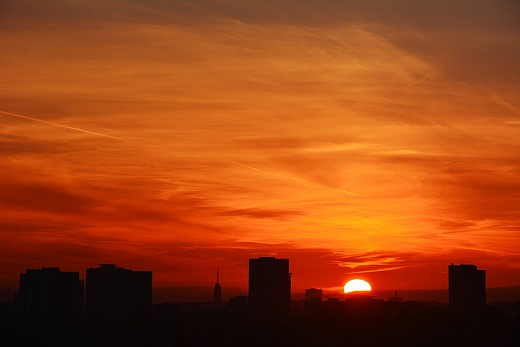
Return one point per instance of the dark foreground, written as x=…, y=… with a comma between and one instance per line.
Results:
x=167, y=325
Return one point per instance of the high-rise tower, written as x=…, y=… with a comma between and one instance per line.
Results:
x=467, y=288
x=269, y=286
x=217, y=291
x=114, y=291
x=49, y=293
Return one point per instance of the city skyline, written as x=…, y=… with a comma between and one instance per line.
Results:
x=118, y=310
x=269, y=272
x=358, y=139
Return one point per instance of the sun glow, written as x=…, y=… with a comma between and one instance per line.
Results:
x=357, y=286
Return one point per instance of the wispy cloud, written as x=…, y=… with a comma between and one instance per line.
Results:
x=352, y=137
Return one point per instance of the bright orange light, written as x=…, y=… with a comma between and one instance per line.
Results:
x=357, y=286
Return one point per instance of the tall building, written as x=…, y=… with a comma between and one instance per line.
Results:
x=269, y=286
x=217, y=291
x=49, y=293
x=114, y=291
x=467, y=288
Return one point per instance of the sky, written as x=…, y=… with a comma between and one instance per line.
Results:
x=360, y=139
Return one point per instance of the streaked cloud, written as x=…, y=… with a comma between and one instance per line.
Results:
x=377, y=138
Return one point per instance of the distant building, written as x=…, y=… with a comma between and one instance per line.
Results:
x=217, y=292
x=395, y=298
x=49, y=293
x=313, y=300
x=467, y=288
x=313, y=294
x=114, y=291
x=269, y=286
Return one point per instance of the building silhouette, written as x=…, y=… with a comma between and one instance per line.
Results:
x=269, y=286
x=313, y=301
x=49, y=293
x=357, y=320
x=395, y=298
x=313, y=294
x=217, y=291
x=467, y=288
x=114, y=291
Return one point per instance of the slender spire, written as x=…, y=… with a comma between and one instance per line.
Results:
x=217, y=291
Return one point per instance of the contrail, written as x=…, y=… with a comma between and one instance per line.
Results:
x=58, y=125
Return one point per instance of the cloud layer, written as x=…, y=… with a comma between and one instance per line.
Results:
x=359, y=139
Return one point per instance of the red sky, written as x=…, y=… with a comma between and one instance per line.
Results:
x=370, y=139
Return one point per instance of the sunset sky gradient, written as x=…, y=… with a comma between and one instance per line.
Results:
x=360, y=139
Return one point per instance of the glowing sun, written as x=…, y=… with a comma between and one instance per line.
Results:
x=357, y=286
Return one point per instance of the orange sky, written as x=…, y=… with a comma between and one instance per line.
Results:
x=374, y=139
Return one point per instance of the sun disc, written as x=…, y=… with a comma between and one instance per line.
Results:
x=357, y=285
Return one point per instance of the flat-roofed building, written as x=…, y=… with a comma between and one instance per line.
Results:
x=313, y=294
x=467, y=288
x=49, y=293
x=269, y=286
x=115, y=291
